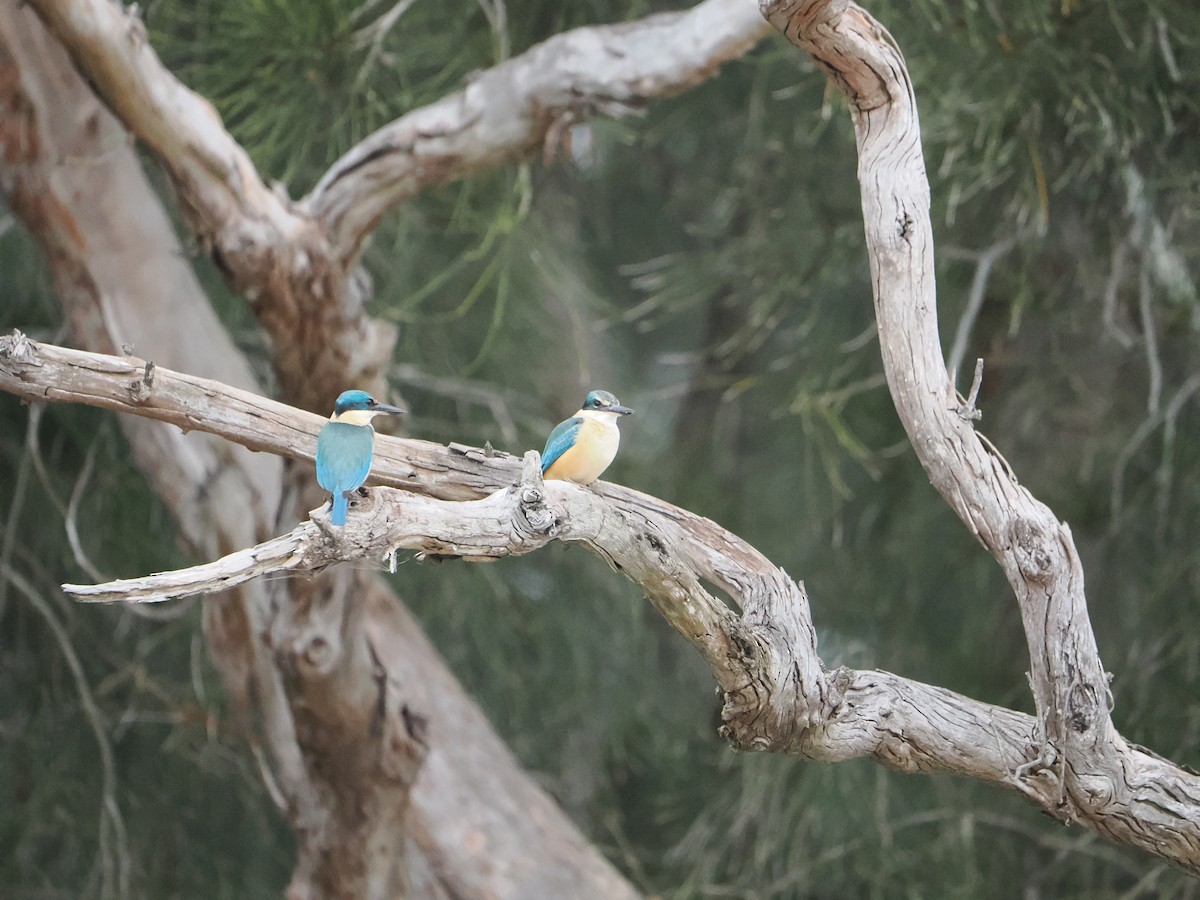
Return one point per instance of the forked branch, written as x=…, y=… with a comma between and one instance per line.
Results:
x=777, y=697
x=529, y=102
x=1069, y=760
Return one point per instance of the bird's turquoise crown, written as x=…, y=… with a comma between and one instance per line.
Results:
x=349, y=400
x=605, y=402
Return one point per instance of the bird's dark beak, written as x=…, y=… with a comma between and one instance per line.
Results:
x=621, y=410
x=387, y=409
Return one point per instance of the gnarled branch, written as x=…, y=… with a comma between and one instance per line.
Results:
x=295, y=260
x=513, y=108
x=762, y=659
x=310, y=665
x=1100, y=780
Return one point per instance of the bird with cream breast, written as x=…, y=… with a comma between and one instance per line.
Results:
x=580, y=448
x=345, y=447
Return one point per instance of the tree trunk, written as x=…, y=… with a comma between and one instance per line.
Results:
x=351, y=701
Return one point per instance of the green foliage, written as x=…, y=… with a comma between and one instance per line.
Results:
x=706, y=263
x=122, y=774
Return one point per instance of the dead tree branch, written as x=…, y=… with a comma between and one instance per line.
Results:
x=309, y=664
x=295, y=261
x=512, y=109
x=1099, y=780
x=776, y=695
x=1069, y=760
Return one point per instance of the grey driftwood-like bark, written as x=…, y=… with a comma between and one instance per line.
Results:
x=296, y=261
x=777, y=697
x=526, y=102
x=1069, y=760
x=473, y=824
x=480, y=825
x=1085, y=771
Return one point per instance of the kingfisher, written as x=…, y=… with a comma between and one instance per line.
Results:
x=580, y=448
x=345, y=446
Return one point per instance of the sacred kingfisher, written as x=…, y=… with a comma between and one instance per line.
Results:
x=580, y=448
x=345, y=446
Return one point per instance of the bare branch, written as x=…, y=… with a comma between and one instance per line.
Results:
x=1153, y=360
x=214, y=175
x=968, y=410
x=1070, y=760
x=776, y=695
x=1089, y=766
x=510, y=522
x=124, y=281
x=984, y=263
x=507, y=112
x=296, y=261
x=279, y=555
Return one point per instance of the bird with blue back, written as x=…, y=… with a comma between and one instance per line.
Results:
x=580, y=448
x=345, y=447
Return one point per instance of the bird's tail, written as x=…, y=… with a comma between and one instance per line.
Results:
x=338, y=516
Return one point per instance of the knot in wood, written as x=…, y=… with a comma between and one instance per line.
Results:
x=406, y=746
x=415, y=724
x=654, y=543
x=316, y=653
x=18, y=348
x=1082, y=707
x=139, y=390
x=1030, y=546
x=539, y=517
x=747, y=649
x=896, y=753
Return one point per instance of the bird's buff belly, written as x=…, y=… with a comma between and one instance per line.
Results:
x=584, y=462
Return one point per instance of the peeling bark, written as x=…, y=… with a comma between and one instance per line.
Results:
x=1092, y=774
x=1069, y=760
x=340, y=727
x=296, y=262
x=777, y=697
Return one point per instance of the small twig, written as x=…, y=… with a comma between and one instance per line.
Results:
x=278, y=555
x=81, y=558
x=1111, y=289
x=496, y=12
x=967, y=410
x=496, y=400
x=115, y=860
x=18, y=499
x=975, y=296
x=1153, y=361
x=372, y=36
x=1139, y=436
x=268, y=777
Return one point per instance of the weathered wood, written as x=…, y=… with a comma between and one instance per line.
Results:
x=1086, y=771
x=527, y=103
x=1069, y=760
x=124, y=279
x=758, y=658
x=296, y=261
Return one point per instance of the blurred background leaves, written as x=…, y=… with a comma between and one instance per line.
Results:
x=705, y=262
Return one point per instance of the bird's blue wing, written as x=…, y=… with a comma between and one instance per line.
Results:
x=561, y=439
x=344, y=456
